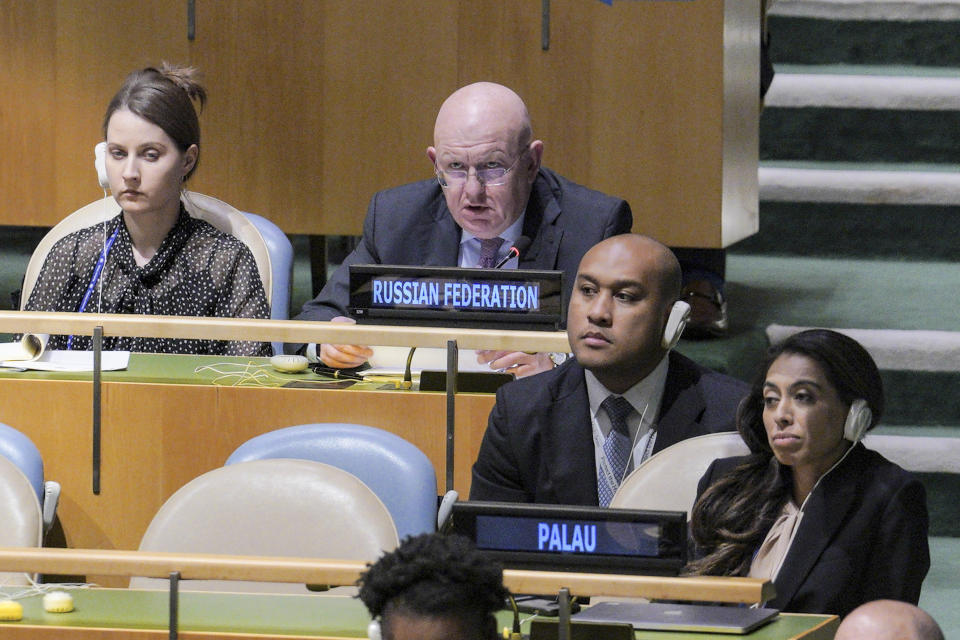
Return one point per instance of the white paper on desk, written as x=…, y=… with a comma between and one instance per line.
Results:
x=30, y=347
x=73, y=361
x=393, y=360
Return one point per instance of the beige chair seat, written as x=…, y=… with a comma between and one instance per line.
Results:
x=277, y=507
x=668, y=480
x=216, y=212
x=22, y=522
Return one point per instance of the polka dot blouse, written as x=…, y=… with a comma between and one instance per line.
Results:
x=198, y=271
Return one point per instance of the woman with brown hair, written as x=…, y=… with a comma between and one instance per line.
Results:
x=831, y=523
x=153, y=258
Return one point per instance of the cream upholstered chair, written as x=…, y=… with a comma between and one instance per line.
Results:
x=218, y=213
x=668, y=480
x=398, y=472
x=20, y=450
x=22, y=521
x=278, y=507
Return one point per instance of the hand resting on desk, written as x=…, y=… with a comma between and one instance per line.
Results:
x=344, y=356
x=519, y=363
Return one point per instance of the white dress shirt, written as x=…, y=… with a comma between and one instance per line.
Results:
x=645, y=397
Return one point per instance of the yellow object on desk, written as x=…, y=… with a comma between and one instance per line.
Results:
x=10, y=611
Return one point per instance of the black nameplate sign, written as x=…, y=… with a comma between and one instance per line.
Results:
x=574, y=538
x=460, y=297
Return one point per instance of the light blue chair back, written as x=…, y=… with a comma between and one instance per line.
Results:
x=281, y=268
x=20, y=450
x=398, y=472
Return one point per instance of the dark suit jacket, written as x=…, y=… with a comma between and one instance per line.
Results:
x=412, y=225
x=863, y=537
x=538, y=446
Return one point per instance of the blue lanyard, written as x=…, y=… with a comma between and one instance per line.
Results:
x=97, y=270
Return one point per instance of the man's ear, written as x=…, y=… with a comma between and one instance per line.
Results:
x=536, y=155
x=432, y=156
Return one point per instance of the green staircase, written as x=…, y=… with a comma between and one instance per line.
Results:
x=860, y=220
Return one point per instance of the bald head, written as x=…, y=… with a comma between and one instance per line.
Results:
x=650, y=257
x=622, y=297
x=483, y=111
x=888, y=620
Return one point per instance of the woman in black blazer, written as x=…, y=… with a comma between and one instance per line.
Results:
x=833, y=524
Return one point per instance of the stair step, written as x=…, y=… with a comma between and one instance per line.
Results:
x=906, y=10
x=897, y=348
x=880, y=183
x=865, y=87
x=806, y=40
x=919, y=431
x=832, y=292
x=855, y=230
x=941, y=589
x=865, y=294
x=917, y=366
x=860, y=135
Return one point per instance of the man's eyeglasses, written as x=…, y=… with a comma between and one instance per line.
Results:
x=488, y=176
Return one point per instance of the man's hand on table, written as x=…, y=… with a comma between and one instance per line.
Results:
x=344, y=356
x=519, y=363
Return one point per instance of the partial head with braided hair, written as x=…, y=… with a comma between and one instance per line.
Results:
x=434, y=585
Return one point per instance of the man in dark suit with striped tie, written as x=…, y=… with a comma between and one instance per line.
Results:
x=571, y=435
x=490, y=190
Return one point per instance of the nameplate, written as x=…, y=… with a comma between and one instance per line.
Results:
x=460, y=297
x=575, y=538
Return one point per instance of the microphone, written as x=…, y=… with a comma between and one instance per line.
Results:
x=519, y=247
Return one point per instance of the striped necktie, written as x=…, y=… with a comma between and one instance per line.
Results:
x=488, y=252
x=616, y=447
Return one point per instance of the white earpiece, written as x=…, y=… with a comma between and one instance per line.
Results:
x=100, y=162
x=289, y=363
x=858, y=419
x=373, y=630
x=679, y=314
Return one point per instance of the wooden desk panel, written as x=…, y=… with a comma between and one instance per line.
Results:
x=157, y=437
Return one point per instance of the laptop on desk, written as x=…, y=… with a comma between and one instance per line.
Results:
x=678, y=617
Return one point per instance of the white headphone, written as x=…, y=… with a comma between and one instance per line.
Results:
x=373, y=630
x=100, y=162
x=858, y=420
x=676, y=323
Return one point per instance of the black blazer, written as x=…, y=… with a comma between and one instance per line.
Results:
x=411, y=225
x=538, y=446
x=863, y=537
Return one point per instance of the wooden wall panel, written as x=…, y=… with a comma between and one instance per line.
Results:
x=27, y=106
x=317, y=105
x=97, y=45
x=628, y=100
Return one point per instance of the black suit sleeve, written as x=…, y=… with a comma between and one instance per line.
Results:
x=333, y=299
x=901, y=556
x=621, y=220
x=496, y=473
